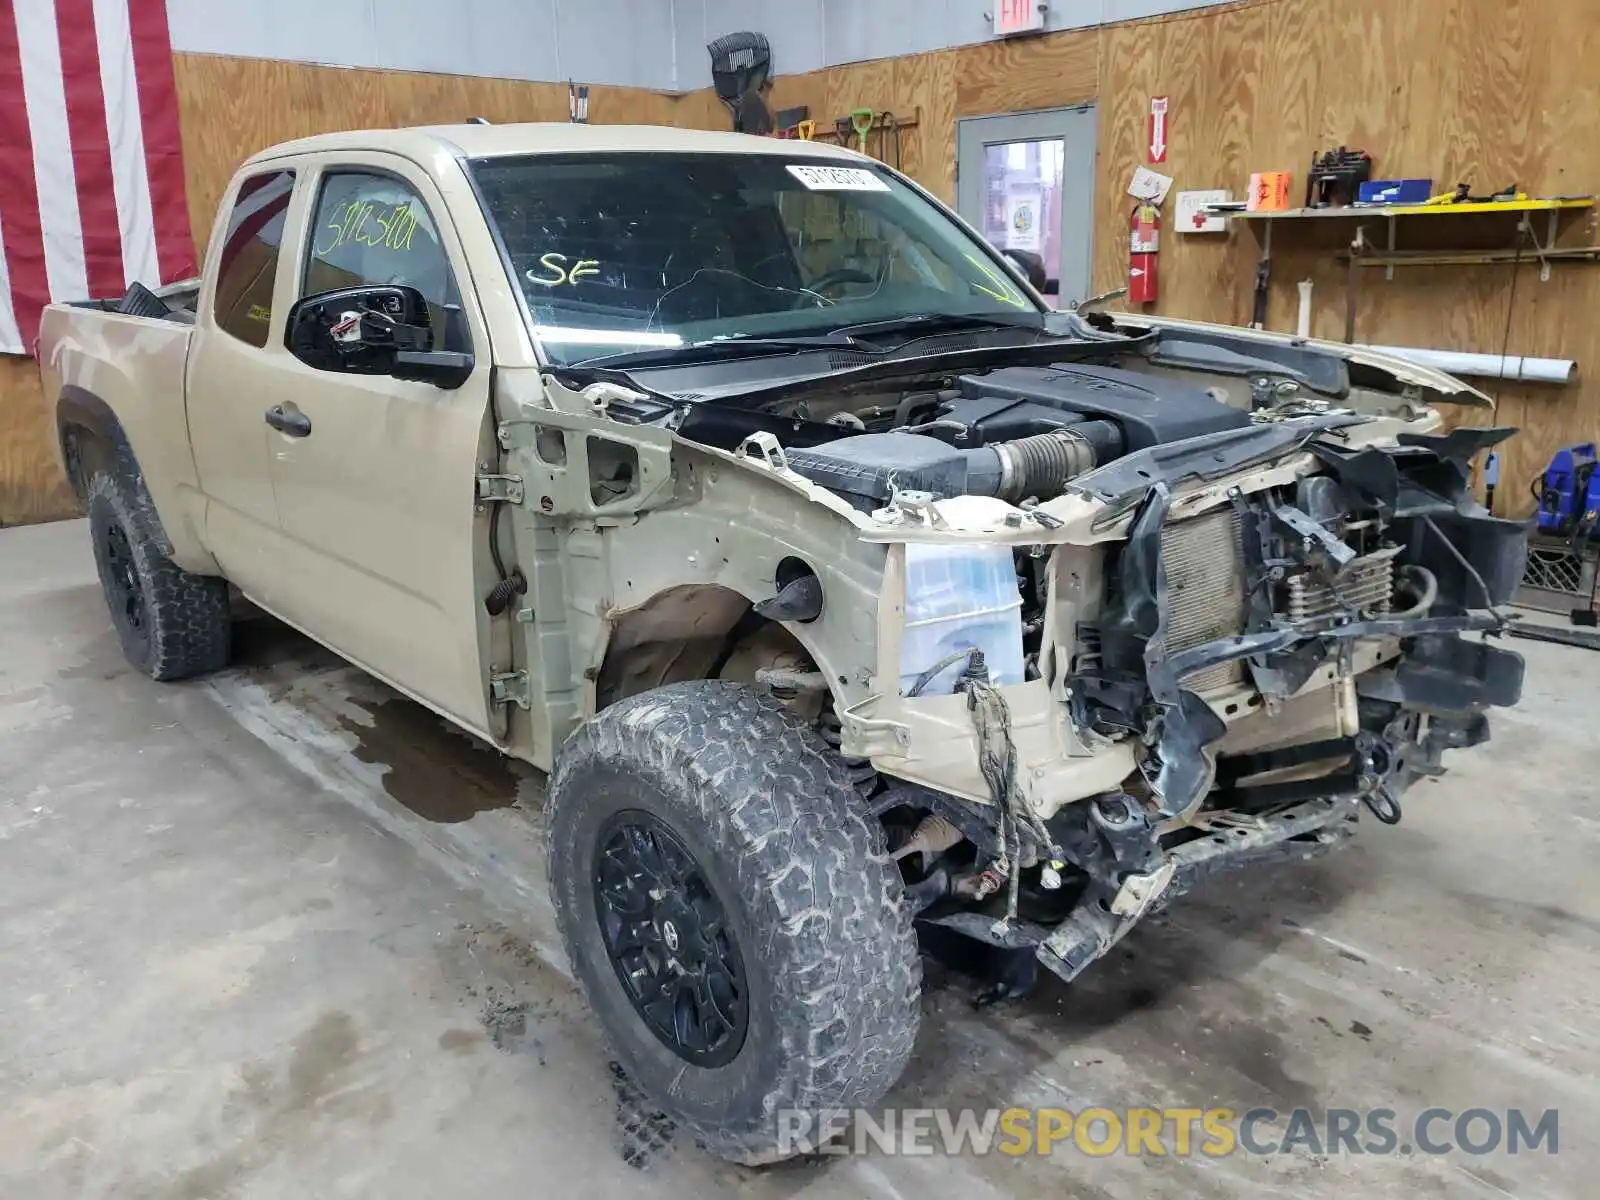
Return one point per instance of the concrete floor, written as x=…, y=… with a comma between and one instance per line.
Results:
x=282, y=934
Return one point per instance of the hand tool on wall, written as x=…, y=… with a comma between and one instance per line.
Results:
x=789, y=121
x=741, y=67
x=861, y=120
x=1463, y=195
x=856, y=128
x=1258, y=307
x=889, y=123
x=1352, y=283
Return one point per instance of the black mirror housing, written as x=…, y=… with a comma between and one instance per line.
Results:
x=447, y=369
x=378, y=329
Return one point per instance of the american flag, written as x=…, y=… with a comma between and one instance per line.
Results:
x=91, y=167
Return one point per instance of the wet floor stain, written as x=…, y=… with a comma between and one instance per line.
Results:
x=437, y=773
x=460, y=1041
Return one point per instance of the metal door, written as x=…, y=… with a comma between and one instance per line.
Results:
x=1026, y=182
x=376, y=488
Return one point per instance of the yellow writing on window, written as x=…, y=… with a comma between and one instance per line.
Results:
x=1002, y=290
x=259, y=312
x=553, y=270
x=364, y=223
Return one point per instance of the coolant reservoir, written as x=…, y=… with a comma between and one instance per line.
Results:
x=961, y=596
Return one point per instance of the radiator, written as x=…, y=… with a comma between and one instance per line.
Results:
x=1206, y=584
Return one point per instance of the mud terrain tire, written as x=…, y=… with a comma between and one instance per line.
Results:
x=171, y=624
x=768, y=813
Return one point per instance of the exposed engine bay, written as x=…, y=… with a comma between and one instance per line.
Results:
x=1286, y=656
x=1015, y=433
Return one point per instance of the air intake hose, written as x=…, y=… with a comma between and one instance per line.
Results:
x=1040, y=465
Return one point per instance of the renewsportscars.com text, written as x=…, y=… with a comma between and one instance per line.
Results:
x=1176, y=1132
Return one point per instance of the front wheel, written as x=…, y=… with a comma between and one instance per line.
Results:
x=730, y=910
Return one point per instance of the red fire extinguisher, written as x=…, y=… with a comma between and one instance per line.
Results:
x=1144, y=242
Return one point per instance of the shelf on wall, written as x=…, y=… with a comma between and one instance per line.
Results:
x=1467, y=209
x=1365, y=252
x=1390, y=256
x=1468, y=258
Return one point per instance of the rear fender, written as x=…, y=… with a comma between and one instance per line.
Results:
x=117, y=382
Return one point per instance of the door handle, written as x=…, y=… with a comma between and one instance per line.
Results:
x=292, y=424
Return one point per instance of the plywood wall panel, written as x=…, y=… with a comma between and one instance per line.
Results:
x=1016, y=75
x=32, y=487
x=233, y=107
x=926, y=84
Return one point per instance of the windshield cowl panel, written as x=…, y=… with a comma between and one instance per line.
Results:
x=622, y=253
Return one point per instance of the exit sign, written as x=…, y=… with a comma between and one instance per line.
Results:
x=1018, y=16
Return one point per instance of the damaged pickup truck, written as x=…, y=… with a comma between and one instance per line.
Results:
x=843, y=588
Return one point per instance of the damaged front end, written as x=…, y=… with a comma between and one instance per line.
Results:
x=1270, y=665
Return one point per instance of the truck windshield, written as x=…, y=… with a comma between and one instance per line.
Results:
x=644, y=251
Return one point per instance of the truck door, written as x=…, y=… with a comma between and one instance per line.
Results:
x=231, y=374
x=375, y=477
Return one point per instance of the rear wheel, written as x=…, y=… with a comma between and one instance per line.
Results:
x=729, y=908
x=171, y=623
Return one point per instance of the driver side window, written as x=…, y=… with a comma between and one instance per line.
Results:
x=372, y=228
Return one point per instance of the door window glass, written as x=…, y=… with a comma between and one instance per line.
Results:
x=375, y=229
x=1022, y=201
x=248, y=262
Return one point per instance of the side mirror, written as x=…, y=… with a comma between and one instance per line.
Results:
x=374, y=330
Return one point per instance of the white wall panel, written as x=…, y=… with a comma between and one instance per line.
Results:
x=643, y=43
x=598, y=41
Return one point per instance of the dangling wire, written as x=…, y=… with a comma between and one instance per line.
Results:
x=997, y=759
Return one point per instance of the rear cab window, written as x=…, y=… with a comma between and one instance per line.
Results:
x=247, y=265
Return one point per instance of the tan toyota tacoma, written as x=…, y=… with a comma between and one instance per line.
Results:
x=844, y=589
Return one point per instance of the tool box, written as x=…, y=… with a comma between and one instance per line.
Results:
x=1569, y=493
x=1395, y=191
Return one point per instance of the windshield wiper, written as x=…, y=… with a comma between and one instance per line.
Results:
x=713, y=349
x=927, y=323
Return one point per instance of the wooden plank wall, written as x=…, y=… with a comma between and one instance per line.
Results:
x=231, y=108
x=1488, y=91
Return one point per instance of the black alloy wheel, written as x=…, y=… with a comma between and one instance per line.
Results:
x=126, y=590
x=669, y=940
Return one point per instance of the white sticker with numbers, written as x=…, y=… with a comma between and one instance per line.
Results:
x=838, y=179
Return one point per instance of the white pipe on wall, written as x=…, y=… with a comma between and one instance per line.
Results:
x=1487, y=366
x=1302, y=326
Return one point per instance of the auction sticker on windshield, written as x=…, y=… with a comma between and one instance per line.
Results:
x=838, y=179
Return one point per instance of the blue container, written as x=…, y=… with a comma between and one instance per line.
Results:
x=1395, y=191
x=1569, y=491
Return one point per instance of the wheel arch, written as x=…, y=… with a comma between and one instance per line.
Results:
x=685, y=632
x=90, y=437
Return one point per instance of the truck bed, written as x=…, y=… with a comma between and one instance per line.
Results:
x=174, y=302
